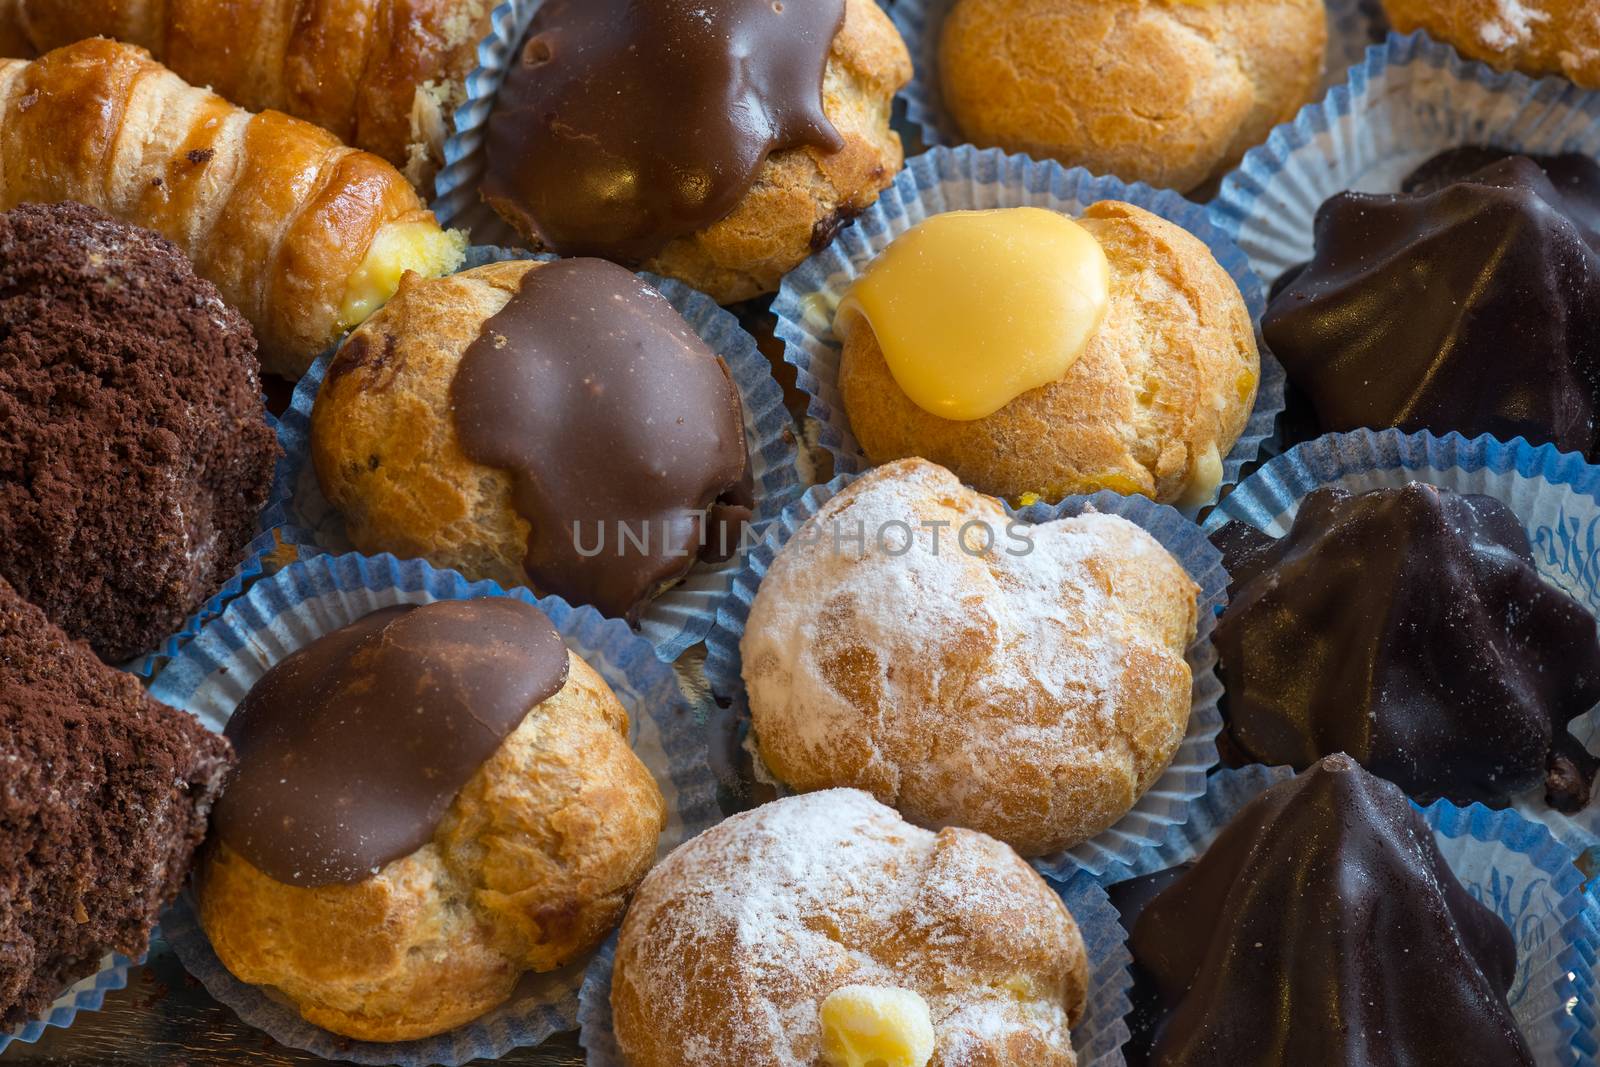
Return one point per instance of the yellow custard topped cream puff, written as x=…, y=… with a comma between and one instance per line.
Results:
x=964, y=366
x=1037, y=356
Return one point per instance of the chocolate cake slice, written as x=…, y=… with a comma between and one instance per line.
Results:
x=104, y=795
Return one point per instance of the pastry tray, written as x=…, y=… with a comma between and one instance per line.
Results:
x=164, y=1018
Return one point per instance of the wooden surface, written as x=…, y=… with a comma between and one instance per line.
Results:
x=166, y=1019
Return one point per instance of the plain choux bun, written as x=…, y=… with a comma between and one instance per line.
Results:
x=1170, y=92
x=1032, y=691
x=1536, y=37
x=1155, y=402
x=384, y=442
x=530, y=868
x=735, y=941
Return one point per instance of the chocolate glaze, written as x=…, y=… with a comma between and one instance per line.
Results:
x=626, y=123
x=1409, y=628
x=1466, y=303
x=605, y=408
x=1322, y=926
x=352, y=748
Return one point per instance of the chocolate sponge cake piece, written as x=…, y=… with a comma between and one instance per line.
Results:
x=104, y=795
x=135, y=455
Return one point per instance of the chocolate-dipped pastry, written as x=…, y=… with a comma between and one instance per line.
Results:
x=1322, y=926
x=630, y=122
x=1466, y=303
x=1409, y=628
x=352, y=748
x=583, y=347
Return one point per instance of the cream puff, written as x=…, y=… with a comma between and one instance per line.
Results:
x=1537, y=37
x=969, y=670
x=395, y=883
x=1170, y=92
x=719, y=142
x=553, y=425
x=1040, y=356
x=822, y=929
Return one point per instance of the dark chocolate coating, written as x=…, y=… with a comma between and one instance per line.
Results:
x=1323, y=927
x=1409, y=628
x=1468, y=304
x=626, y=123
x=352, y=748
x=606, y=409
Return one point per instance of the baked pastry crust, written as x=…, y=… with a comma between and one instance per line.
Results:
x=1158, y=397
x=1537, y=37
x=735, y=939
x=1170, y=92
x=384, y=441
x=383, y=75
x=531, y=867
x=801, y=196
x=1033, y=697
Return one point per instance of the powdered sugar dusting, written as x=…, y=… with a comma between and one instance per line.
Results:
x=1031, y=691
x=734, y=941
x=1511, y=25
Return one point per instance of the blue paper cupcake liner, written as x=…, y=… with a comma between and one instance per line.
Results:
x=678, y=618
x=1409, y=100
x=312, y=597
x=1097, y=1039
x=1513, y=866
x=272, y=519
x=85, y=995
x=946, y=179
x=455, y=188
x=1352, y=26
x=1555, y=494
x=1166, y=803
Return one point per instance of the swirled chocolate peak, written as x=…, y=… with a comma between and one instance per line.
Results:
x=352, y=748
x=626, y=123
x=1467, y=303
x=1409, y=628
x=1322, y=926
x=621, y=430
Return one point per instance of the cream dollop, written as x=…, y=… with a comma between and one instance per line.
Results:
x=876, y=1026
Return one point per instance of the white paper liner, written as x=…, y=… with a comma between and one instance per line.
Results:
x=1097, y=1039
x=312, y=597
x=946, y=179
x=1166, y=803
x=456, y=201
x=1512, y=866
x=679, y=617
x=1555, y=494
x=1410, y=99
x=87, y=994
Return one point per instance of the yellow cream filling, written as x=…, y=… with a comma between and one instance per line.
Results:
x=876, y=1026
x=974, y=308
x=398, y=247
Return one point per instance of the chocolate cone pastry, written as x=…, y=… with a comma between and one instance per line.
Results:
x=1322, y=927
x=1469, y=303
x=1409, y=628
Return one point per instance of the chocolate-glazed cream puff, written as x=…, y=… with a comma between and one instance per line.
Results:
x=554, y=425
x=429, y=802
x=719, y=142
